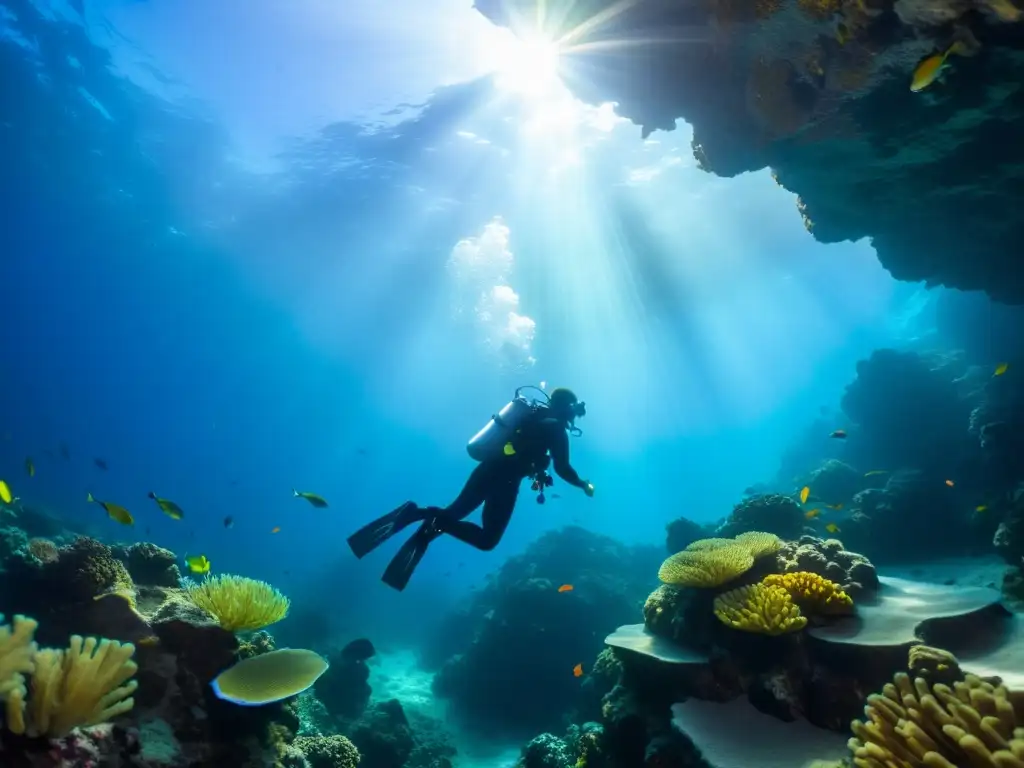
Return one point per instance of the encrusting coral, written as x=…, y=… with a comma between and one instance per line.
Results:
x=714, y=562
x=912, y=723
x=761, y=608
x=813, y=593
x=239, y=604
x=87, y=684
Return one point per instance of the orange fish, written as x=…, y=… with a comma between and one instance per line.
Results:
x=577, y=671
x=839, y=434
x=275, y=529
x=832, y=528
x=810, y=514
x=565, y=588
x=928, y=71
x=949, y=483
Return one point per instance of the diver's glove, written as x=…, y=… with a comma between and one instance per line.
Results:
x=588, y=489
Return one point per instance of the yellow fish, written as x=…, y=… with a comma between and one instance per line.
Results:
x=114, y=511
x=804, y=493
x=812, y=513
x=168, y=507
x=1001, y=369
x=509, y=449
x=981, y=508
x=30, y=467
x=832, y=528
x=5, y=493
x=198, y=563
x=928, y=71
x=312, y=498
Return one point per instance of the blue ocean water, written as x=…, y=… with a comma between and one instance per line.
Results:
x=251, y=247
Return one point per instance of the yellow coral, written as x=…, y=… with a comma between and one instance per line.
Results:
x=239, y=604
x=706, y=568
x=814, y=593
x=700, y=545
x=912, y=723
x=760, y=608
x=89, y=683
x=760, y=543
x=17, y=657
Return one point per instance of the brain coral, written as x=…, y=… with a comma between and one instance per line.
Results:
x=813, y=593
x=706, y=568
x=761, y=608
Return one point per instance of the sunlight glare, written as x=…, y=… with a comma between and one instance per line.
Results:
x=527, y=66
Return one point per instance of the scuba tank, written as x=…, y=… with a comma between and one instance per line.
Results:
x=489, y=443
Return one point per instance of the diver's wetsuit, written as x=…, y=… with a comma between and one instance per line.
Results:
x=495, y=484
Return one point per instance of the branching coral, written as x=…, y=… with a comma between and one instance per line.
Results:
x=972, y=724
x=87, y=684
x=813, y=593
x=706, y=568
x=17, y=656
x=239, y=604
x=760, y=608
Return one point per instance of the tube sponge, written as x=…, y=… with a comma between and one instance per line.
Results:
x=706, y=568
x=970, y=725
x=761, y=608
x=814, y=593
x=85, y=685
x=239, y=604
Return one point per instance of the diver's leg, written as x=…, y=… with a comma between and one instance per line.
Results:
x=404, y=563
x=498, y=508
x=372, y=535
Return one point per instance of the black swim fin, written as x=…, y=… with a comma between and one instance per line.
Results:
x=372, y=535
x=403, y=564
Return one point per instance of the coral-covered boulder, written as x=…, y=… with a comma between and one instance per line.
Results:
x=682, y=532
x=910, y=413
x=772, y=512
x=835, y=482
x=916, y=516
x=149, y=564
x=383, y=736
x=522, y=636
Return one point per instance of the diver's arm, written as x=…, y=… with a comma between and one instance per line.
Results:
x=560, y=458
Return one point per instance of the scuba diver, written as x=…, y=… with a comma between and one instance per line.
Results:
x=523, y=440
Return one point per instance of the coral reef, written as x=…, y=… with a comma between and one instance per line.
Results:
x=812, y=592
x=819, y=91
x=521, y=636
x=328, y=751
